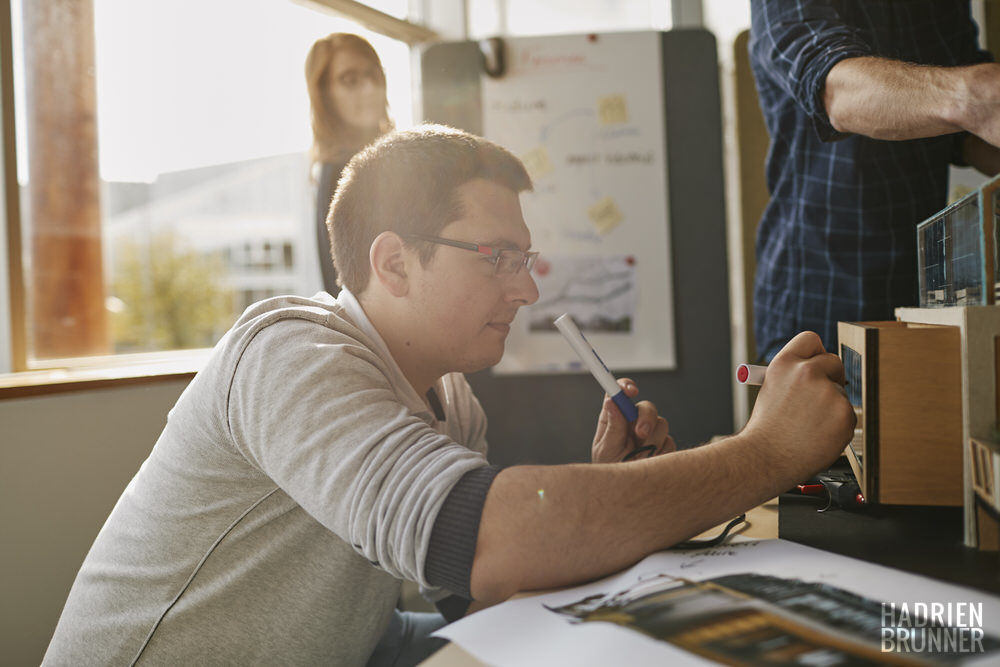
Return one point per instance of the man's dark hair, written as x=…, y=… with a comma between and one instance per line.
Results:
x=406, y=182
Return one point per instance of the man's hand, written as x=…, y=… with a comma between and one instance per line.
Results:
x=802, y=416
x=615, y=439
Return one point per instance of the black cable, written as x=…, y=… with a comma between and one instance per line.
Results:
x=638, y=450
x=711, y=541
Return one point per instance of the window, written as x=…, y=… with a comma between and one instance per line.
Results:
x=162, y=167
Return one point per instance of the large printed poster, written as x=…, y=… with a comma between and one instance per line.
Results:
x=767, y=603
x=585, y=114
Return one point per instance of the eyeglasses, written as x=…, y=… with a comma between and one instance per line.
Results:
x=506, y=261
x=353, y=78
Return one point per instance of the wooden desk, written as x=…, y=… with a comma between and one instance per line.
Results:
x=762, y=522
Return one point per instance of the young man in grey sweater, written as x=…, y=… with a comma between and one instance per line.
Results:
x=332, y=448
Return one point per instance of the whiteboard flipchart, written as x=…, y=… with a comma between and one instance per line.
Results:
x=585, y=113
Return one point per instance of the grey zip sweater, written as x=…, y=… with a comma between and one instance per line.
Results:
x=299, y=478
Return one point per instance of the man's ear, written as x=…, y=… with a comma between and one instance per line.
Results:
x=387, y=257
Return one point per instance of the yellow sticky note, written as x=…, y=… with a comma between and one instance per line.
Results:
x=537, y=162
x=611, y=109
x=605, y=215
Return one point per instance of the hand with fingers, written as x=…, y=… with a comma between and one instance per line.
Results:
x=618, y=440
x=802, y=418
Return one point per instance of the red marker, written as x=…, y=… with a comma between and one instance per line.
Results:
x=750, y=374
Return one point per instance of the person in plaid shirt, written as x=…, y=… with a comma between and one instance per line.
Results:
x=867, y=102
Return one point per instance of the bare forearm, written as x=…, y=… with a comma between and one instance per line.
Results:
x=550, y=526
x=545, y=527
x=888, y=99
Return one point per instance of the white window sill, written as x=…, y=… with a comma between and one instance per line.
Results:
x=86, y=373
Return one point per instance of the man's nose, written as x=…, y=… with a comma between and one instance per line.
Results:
x=522, y=288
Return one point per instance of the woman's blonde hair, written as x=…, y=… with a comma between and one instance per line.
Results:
x=331, y=136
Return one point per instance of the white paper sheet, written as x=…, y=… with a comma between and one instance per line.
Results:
x=524, y=633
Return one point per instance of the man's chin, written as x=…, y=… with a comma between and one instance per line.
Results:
x=482, y=363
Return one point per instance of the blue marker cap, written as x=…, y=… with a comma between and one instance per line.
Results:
x=626, y=406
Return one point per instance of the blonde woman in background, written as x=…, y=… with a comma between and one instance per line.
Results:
x=348, y=110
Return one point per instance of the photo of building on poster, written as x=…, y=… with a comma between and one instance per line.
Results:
x=598, y=291
x=753, y=619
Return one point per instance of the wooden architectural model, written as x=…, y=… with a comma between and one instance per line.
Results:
x=906, y=387
x=926, y=387
x=958, y=268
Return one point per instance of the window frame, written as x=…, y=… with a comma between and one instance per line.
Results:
x=11, y=199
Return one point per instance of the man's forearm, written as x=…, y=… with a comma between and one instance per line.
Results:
x=893, y=100
x=542, y=527
x=551, y=526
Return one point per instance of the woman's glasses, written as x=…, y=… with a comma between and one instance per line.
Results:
x=354, y=78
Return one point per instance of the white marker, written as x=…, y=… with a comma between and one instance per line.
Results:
x=750, y=374
x=569, y=330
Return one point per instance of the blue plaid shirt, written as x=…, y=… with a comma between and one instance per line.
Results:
x=838, y=238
